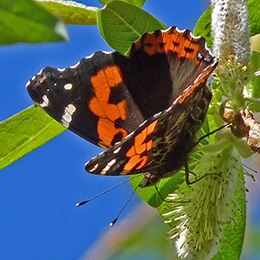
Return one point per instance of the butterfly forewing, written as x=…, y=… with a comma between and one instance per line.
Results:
x=89, y=98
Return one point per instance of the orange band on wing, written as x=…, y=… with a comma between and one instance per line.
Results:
x=199, y=82
x=135, y=162
x=136, y=159
x=180, y=42
x=106, y=127
x=108, y=113
x=151, y=127
x=153, y=44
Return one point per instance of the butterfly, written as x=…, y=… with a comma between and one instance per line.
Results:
x=144, y=108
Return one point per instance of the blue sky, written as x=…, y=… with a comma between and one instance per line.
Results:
x=38, y=217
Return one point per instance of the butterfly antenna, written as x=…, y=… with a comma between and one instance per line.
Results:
x=126, y=203
x=101, y=193
x=120, y=212
x=216, y=130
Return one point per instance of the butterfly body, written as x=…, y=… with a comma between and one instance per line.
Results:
x=144, y=108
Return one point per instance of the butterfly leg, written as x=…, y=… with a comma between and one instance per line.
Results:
x=187, y=172
x=214, y=131
x=161, y=196
x=192, y=173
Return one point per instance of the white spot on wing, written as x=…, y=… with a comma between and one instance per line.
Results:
x=180, y=31
x=106, y=52
x=75, y=66
x=117, y=150
x=166, y=30
x=101, y=154
x=67, y=115
x=168, y=109
x=156, y=115
x=142, y=123
x=45, y=101
x=93, y=168
x=129, y=135
x=39, y=73
x=90, y=56
x=176, y=100
x=68, y=86
x=193, y=36
x=210, y=53
x=108, y=166
x=200, y=57
x=28, y=83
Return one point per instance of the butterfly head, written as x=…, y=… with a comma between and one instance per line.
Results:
x=149, y=179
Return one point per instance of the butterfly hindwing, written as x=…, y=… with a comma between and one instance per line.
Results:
x=131, y=156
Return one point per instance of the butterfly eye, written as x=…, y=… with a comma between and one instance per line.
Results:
x=149, y=180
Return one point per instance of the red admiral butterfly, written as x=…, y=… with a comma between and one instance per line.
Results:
x=144, y=108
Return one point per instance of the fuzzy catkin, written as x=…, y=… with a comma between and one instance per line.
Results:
x=230, y=30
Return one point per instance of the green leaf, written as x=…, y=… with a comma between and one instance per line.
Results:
x=253, y=86
x=71, y=12
x=231, y=246
x=138, y=3
x=255, y=78
x=254, y=16
x=121, y=24
x=26, y=21
x=203, y=26
x=150, y=195
x=25, y=132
